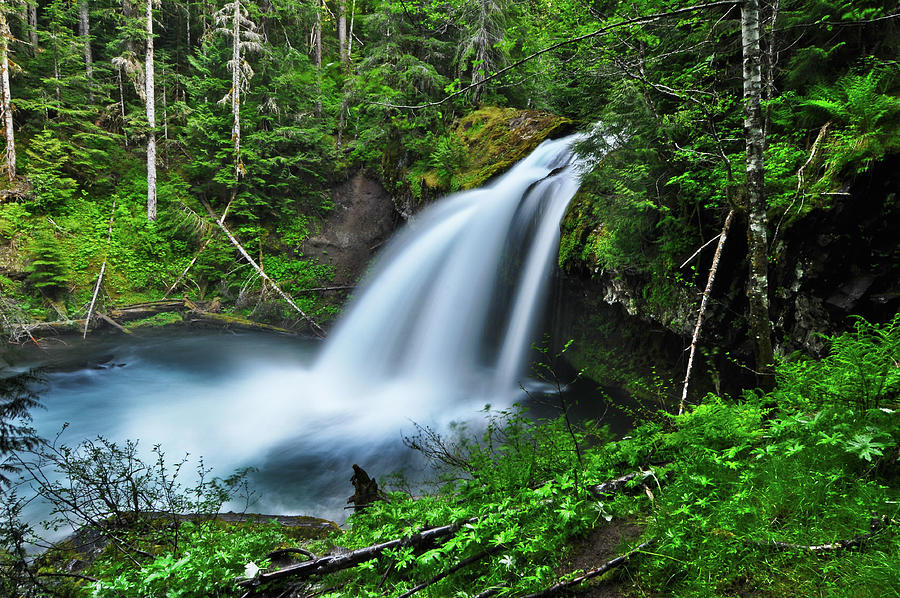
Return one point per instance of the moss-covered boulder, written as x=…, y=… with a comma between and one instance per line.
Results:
x=474, y=149
x=496, y=138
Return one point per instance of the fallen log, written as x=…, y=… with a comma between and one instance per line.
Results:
x=222, y=320
x=338, y=562
x=318, y=330
x=460, y=565
x=607, y=566
x=875, y=526
x=618, y=484
x=112, y=322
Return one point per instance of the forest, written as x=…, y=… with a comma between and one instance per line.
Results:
x=730, y=260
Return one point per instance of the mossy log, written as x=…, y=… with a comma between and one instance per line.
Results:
x=194, y=313
x=226, y=321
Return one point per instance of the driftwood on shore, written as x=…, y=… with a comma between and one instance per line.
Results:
x=192, y=313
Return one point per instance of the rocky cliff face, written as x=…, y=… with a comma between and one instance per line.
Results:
x=832, y=263
x=362, y=219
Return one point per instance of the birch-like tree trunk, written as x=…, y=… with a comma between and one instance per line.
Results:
x=150, y=93
x=236, y=89
x=758, y=285
x=7, y=97
x=244, y=38
x=342, y=30
x=84, y=30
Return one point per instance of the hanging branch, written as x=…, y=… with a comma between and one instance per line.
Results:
x=706, y=292
x=90, y=312
x=566, y=42
x=318, y=330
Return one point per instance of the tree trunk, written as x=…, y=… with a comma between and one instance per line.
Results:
x=84, y=30
x=151, y=117
x=7, y=98
x=33, y=28
x=236, y=89
x=758, y=285
x=350, y=32
x=342, y=30
x=317, y=33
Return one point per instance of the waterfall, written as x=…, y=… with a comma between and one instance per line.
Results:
x=441, y=325
x=452, y=303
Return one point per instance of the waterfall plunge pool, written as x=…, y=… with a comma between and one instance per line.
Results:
x=253, y=400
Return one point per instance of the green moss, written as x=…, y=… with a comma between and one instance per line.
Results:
x=161, y=319
x=496, y=138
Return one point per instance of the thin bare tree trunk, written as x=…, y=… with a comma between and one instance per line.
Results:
x=706, y=292
x=758, y=285
x=350, y=33
x=189, y=266
x=84, y=30
x=151, y=117
x=87, y=320
x=56, y=68
x=122, y=104
x=7, y=98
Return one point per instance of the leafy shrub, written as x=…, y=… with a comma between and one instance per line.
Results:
x=860, y=371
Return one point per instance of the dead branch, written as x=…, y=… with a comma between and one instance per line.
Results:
x=189, y=266
x=73, y=575
x=338, y=562
x=112, y=322
x=703, y=302
x=801, y=179
x=618, y=484
x=90, y=312
x=696, y=253
x=460, y=565
x=491, y=591
x=285, y=551
x=318, y=330
x=875, y=526
x=607, y=566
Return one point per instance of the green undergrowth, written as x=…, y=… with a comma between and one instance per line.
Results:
x=53, y=246
x=740, y=489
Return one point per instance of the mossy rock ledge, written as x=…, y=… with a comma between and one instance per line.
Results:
x=496, y=138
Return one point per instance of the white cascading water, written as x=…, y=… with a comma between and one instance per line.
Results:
x=452, y=303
